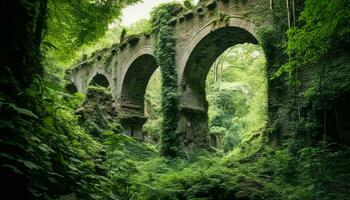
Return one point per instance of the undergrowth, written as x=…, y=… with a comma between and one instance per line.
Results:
x=263, y=173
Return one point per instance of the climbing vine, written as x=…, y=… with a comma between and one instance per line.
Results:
x=165, y=57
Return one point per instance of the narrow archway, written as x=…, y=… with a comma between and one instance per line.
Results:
x=194, y=106
x=99, y=80
x=133, y=94
x=71, y=88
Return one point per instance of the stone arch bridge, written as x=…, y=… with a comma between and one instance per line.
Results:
x=202, y=34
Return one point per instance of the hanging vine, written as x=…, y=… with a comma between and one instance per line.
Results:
x=165, y=57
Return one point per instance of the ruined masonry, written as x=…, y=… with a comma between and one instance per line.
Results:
x=202, y=34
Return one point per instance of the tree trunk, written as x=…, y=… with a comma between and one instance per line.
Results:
x=293, y=10
x=271, y=5
x=288, y=13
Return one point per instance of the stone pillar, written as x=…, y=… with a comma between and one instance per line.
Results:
x=193, y=125
x=133, y=126
x=215, y=140
x=131, y=116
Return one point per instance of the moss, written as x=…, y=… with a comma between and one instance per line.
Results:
x=108, y=59
x=274, y=53
x=162, y=12
x=224, y=17
x=165, y=57
x=97, y=113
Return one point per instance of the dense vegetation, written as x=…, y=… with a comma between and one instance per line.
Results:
x=165, y=57
x=56, y=145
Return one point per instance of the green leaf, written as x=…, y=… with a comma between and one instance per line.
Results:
x=29, y=164
x=13, y=168
x=23, y=111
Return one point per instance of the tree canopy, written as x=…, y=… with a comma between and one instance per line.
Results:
x=74, y=23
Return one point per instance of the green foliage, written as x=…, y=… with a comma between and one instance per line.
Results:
x=123, y=155
x=325, y=27
x=140, y=173
x=111, y=37
x=57, y=157
x=141, y=26
x=43, y=150
x=43, y=143
x=318, y=63
x=237, y=94
x=97, y=114
x=77, y=24
x=161, y=15
x=165, y=57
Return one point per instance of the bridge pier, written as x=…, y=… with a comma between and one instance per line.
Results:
x=133, y=126
x=131, y=115
x=193, y=124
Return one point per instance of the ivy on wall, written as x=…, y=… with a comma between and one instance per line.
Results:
x=165, y=57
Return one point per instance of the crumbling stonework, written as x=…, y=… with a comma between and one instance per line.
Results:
x=97, y=112
x=202, y=34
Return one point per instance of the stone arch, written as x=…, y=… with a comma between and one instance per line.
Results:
x=99, y=79
x=214, y=39
x=132, y=92
x=71, y=88
x=207, y=44
x=138, y=68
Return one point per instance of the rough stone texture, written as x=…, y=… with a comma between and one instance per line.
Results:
x=201, y=36
x=97, y=112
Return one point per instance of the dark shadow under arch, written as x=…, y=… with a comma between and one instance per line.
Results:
x=133, y=94
x=100, y=80
x=71, y=88
x=135, y=81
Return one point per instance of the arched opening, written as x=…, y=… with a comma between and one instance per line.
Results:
x=133, y=90
x=99, y=80
x=197, y=126
x=236, y=91
x=71, y=88
x=153, y=108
